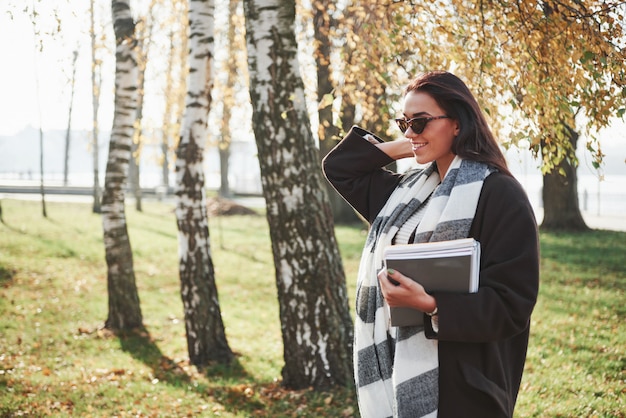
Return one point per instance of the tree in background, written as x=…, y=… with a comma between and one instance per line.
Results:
x=37, y=34
x=543, y=71
x=124, y=309
x=556, y=67
x=144, y=42
x=96, y=82
x=325, y=32
x=315, y=320
x=68, y=132
x=568, y=78
x=235, y=39
x=206, y=338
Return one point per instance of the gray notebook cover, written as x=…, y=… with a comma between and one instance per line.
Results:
x=451, y=273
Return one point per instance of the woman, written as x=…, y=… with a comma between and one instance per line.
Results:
x=467, y=359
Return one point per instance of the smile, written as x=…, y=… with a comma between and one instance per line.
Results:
x=418, y=145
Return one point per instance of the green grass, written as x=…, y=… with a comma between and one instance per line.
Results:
x=56, y=360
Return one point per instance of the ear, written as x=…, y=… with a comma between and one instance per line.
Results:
x=457, y=127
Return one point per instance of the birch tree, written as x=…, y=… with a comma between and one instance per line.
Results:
x=206, y=337
x=235, y=43
x=124, y=309
x=96, y=82
x=68, y=132
x=315, y=320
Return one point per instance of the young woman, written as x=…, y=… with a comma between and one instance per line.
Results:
x=467, y=359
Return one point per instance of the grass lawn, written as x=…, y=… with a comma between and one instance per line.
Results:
x=56, y=360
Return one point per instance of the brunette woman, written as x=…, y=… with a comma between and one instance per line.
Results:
x=467, y=359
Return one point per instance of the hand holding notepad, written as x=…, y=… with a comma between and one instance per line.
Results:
x=442, y=266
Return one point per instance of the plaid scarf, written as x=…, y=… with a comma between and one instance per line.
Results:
x=396, y=368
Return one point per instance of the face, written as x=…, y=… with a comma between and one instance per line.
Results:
x=435, y=142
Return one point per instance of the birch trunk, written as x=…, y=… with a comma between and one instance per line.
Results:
x=315, y=321
x=95, y=100
x=68, y=132
x=206, y=338
x=124, y=309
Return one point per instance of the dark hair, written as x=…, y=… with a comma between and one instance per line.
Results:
x=475, y=140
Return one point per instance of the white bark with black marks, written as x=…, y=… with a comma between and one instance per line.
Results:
x=124, y=308
x=206, y=338
x=315, y=320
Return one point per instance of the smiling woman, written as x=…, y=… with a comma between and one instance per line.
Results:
x=466, y=190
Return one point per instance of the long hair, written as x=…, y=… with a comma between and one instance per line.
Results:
x=475, y=140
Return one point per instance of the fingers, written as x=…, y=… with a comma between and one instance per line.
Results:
x=387, y=275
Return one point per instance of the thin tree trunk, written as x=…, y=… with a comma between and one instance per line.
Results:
x=206, y=337
x=229, y=100
x=68, y=133
x=167, y=116
x=95, y=100
x=124, y=309
x=315, y=320
x=42, y=190
x=561, y=209
x=44, y=212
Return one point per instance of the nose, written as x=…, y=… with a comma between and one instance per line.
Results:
x=409, y=133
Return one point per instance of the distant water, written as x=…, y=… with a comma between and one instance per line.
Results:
x=607, y=197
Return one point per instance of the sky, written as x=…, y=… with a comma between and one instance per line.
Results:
x=29, y=77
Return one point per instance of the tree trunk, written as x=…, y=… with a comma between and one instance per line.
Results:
x=328, y=132
x=315, y=321
x=167, y=114
x=42, y=190
x=68, y=133
x=134, y=172
x=124, y=308
x=561, y=210
x=229, y=99
x=95, y=100
x=206, y=338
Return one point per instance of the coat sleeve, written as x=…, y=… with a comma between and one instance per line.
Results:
x=355, y=168
x=505, y=226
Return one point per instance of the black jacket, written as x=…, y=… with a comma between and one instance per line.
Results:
x=483, y=337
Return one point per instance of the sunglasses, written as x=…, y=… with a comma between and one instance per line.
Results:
x=418, y=124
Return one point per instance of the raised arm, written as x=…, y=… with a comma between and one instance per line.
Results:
x=355, y=168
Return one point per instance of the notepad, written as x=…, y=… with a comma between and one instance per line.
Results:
x=441, y=266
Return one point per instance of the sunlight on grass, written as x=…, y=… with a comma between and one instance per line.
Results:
x=55, y=358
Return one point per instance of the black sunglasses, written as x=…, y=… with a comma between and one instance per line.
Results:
x=417, y=124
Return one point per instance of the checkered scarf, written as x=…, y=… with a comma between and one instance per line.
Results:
x=396, y=368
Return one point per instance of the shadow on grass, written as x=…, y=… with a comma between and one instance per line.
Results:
x=227, y=386
x=142, y=347
x=582, y=251
x=6, y=276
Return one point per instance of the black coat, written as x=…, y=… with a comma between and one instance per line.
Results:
x=483, y=337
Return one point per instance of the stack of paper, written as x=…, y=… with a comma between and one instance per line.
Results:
x=442, y=266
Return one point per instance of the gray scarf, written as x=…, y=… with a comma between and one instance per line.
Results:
x=396, y=368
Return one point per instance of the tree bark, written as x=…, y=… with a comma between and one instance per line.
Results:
x=206, y=337
x=229, y=99
x=124, y=308
x=68, y=132
x=315, y=321
x=95, y=100
x=561, y=209
x=328, y=132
